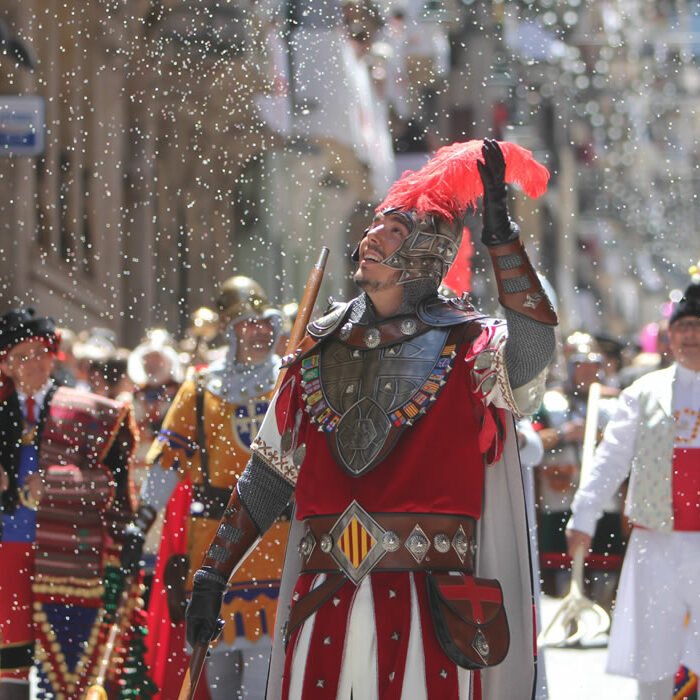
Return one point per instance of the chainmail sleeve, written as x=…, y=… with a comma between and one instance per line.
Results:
x=529, y=348
x=263, y=492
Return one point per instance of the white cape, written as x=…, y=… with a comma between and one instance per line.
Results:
x=504, y=554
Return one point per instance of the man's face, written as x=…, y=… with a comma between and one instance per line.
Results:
x=384, y=236
x=684, y=341
x=29, y=365
x=255, y=337
x=157, y=368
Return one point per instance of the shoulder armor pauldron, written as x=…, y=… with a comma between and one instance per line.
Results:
x=326, y=324
x=441, y=312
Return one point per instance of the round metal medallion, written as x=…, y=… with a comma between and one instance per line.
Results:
x=305, y=546
x=408, y=326
x=390, y=541
x=326, y=543
x=372, y=337
x=442, y=543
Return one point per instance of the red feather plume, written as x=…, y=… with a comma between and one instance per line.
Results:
x=450, y=183
x=459, y=276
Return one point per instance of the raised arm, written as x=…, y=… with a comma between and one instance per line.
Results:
x=529, y=313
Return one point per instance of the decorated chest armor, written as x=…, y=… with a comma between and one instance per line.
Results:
x=367, y=383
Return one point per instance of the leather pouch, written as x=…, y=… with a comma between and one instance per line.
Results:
x=469, y=619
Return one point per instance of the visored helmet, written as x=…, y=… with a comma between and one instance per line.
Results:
x=242, y=297
x=429, y=249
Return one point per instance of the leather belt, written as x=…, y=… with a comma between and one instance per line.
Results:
x=358, y=542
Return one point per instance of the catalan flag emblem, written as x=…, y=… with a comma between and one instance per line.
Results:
x=357, y=542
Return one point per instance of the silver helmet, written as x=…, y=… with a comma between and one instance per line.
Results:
x=429, y=249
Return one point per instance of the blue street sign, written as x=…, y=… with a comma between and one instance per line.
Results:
x=22, y=125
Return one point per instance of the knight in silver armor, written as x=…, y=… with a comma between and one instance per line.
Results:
x=357, y=431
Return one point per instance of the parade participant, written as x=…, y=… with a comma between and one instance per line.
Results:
x=201, y=336
x=93, y=348
x=155, y=369
x=382, y=428
x=654, y=439
x=560, y=423
x=203, y=446
x=64, y=476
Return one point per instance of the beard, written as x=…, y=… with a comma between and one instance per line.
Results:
x=372, y=285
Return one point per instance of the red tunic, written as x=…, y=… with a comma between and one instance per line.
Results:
x=436, y=466
x=432, y=466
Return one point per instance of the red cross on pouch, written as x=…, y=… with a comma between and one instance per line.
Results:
x=475, y=594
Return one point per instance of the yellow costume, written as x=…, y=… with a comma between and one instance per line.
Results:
x=251, y=600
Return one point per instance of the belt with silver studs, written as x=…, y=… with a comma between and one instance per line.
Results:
x=357, y=542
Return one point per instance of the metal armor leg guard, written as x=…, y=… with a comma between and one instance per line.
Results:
x=236, y=537
x=519, y=288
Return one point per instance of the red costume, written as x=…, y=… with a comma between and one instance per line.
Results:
x=394, y=433
x=57, y=552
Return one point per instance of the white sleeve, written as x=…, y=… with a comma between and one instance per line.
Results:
x=611, y=465
x=158, y=487
x=490, y=374
x=532, y=452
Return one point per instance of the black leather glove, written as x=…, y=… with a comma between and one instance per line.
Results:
x=132, y=549
x=203, y=623
x=498, y=228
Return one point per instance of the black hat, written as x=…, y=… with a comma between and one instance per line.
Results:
x=608, y=344
x=22, y=324
x=689, y=305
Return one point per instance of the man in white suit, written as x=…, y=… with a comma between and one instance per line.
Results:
x=654, y=438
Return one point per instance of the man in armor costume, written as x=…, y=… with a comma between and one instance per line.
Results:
x=654, y=439
x=155, y=369
x=64, y=476
x=200, y=452
x=560, y=422
x=388, y=415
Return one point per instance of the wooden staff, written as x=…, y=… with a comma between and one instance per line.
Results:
x=306, y=306
x=97, y=690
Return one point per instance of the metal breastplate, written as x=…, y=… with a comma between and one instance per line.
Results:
x=364, y=397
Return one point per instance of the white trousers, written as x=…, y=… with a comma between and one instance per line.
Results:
x=358, y=675
x=659, y=587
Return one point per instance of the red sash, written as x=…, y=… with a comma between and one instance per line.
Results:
x=686, y=488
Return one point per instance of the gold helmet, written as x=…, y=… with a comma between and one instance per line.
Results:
x=204, y=324
x=242, y=297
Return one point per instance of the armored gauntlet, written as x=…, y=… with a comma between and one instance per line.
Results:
x=236, y=537
x=519, y=288
x=498, y=227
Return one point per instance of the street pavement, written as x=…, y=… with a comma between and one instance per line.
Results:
x=579, y=673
